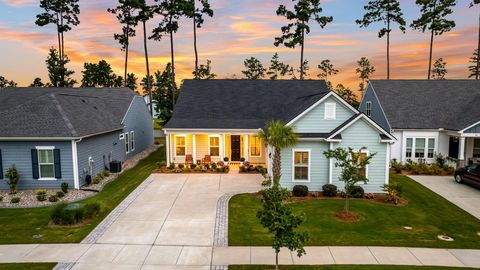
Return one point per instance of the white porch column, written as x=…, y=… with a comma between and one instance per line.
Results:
x=245, y=146
x=167, y=146
x=269, y=161
x=222, y=149
x=194, y=148
x=461, y=151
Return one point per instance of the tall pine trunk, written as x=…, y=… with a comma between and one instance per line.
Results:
x=301, y=55
x=388, y=50
x=149, y=87
x=63, y=53
x=172, y=56
x=430, y=58
x=276, y=260
x=478, y=51
x=195, y=40
x=126, y=59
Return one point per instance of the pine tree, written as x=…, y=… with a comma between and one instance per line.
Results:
x=278, y=69
x=347, y=94
x=433, y=19
x=58, y=74
x=364, y=70
x=100, y=75
x=387, y=12
x=326, y=69
x=254, y=69
x=474, y=68
x=293, y=34
x=439, y=69
x=204, y=72
x=6, y=83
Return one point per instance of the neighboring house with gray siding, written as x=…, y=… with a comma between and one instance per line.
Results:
x=227, y=125
x=427, y=117
x=55, y=135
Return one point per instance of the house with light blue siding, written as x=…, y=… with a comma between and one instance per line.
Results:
x=55, y=135
x=220, y=119
x=428, y=117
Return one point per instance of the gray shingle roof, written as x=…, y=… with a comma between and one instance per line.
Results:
x=424, y=104
x=242, y=104
x=62, y=112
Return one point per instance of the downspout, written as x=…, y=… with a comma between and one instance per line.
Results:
x=76, y=179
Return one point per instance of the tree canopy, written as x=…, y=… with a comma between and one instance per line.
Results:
x=254, y=69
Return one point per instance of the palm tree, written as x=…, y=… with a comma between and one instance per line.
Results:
x=278, y=135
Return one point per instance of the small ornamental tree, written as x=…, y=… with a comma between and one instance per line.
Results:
x=13, y=177
x=353, y=164
x=279, y=219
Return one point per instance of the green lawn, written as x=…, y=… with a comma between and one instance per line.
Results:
x=344, y=267
x=27, y=266
x=18, y=225
x=380, y=225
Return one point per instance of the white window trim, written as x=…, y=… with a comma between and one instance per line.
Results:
x=309, y=165
x=473, y=146
x=209, y=146
x=132, y=141
x=332, y=106
x=414, y=140
x=260, y=146
x=40, y=178
x=175, y=145
x=127, y=142
x=368, y=108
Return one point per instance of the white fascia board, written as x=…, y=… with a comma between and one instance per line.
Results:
x=369, y=121
x=209, y=131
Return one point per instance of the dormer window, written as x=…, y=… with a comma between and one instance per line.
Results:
x=330, y=111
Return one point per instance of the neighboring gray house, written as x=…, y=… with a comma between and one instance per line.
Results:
x=56, y=135
x=427, y=117
x=221, y=118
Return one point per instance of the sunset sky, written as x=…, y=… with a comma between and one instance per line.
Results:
x=238, y=30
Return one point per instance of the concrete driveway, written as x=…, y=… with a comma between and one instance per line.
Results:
x=465, y=197
x=176, y=210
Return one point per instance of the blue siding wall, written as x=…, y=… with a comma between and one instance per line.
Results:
x=377, y=113
x=102, y=148
x=19, y=153
x=356, y=136
x=319, y=166
x=474, y=129
x=314, y=120
x=139, y=120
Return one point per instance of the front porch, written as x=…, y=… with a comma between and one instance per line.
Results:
x=200, y=148
x=465, y=149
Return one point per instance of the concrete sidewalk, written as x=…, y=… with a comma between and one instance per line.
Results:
x=117, y=256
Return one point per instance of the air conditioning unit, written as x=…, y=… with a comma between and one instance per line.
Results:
x=115, y=166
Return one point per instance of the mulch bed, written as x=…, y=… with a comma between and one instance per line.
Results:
x=347, y=216
x=374, y=198
x=166, y=170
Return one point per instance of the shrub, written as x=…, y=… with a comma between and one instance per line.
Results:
x=394, y=190
x=242, y=169
x=162, y=164
x=1, y=198
x=300, y=191
x=193, y=166
x=440, y=160
x=225, y=159
x=396, y=166
x=69, y=214
x=219, y=169
x=261, y=170
x=213, y=165
x=220, y=164
x=172, y=166
x=60, y=194
x=106, y=173
x=242, y=159
x=207, y=166
x=41, y=195
x=226, y=169
x=13, y=178
x=15, y=200
x=52, y=198
x=181, y=166
x=97, y=179
x=64, y=185
x=357, y=192
x=329, y=190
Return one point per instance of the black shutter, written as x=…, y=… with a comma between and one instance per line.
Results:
x=1, y=165
x=56, y=160
x=35, y=174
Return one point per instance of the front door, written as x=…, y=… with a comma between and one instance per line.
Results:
x=453, y=147
x=235, y=145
